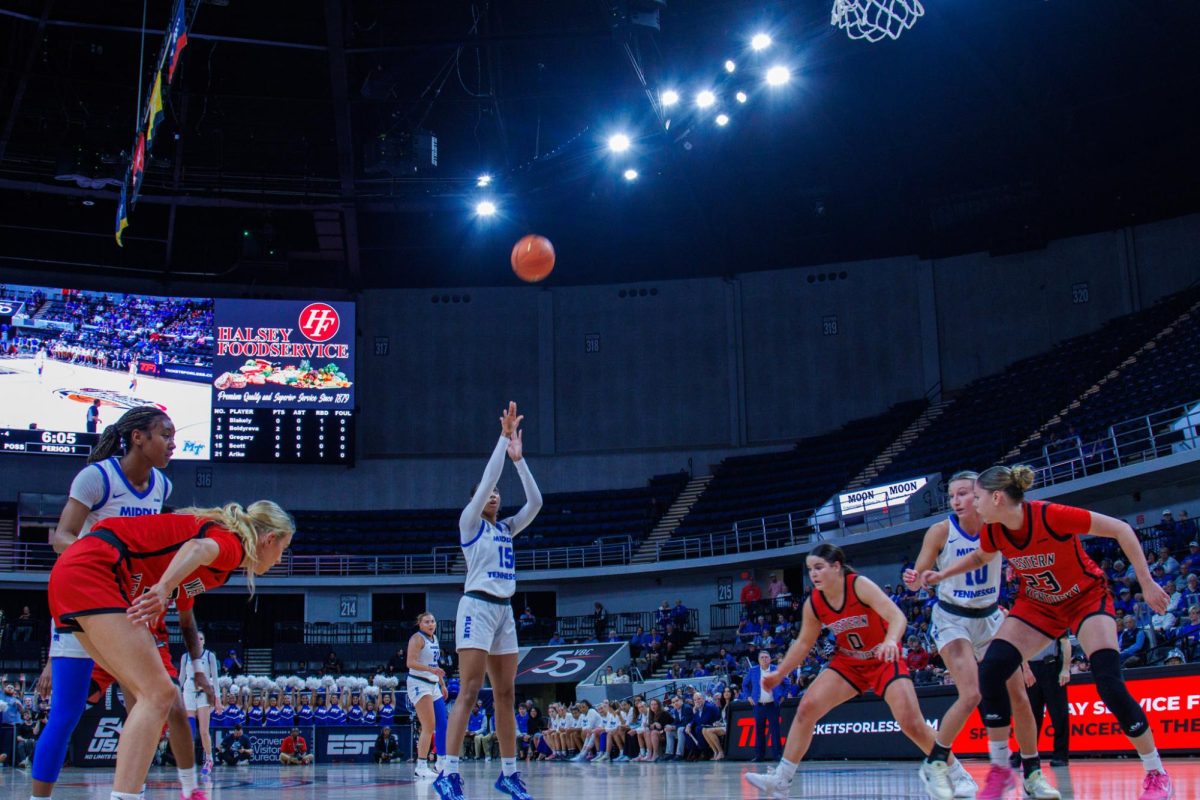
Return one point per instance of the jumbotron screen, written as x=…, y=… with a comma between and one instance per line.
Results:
x=255, y=381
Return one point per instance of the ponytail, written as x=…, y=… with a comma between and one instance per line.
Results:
x=248, y=524
x=1013, y=481
x=118, y=437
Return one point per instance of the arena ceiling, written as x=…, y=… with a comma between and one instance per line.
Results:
x=292, y=151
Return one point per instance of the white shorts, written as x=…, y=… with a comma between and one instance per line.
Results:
x=193, y=699
x=481, y=625
x=979, y=631
x=418, y=688
x=65, y=645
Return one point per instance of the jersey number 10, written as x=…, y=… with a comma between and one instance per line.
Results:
x=978, y=577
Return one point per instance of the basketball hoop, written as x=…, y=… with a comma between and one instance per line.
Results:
x=874, y=19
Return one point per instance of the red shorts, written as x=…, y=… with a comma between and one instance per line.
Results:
x=869, y=673
x=1052, y=621
x=89, y=578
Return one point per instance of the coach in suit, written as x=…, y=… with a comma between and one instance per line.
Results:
x=766, y=708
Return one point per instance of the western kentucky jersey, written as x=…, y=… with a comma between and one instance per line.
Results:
x=1045, y=551
x=978, y=588
x=147, y=545
x=856, y=627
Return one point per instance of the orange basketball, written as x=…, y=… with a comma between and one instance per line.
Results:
x=533, y=258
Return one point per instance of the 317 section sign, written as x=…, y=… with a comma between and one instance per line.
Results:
x=283, y=389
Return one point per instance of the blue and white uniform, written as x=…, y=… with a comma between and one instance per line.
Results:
x=967, y=603
x=207, y=663
x=104, y=488
x=421, y=683
x=485, y=618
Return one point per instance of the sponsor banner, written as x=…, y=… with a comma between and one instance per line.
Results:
x=11, y=308
x=559, y=664
x=864, y=728
x=876, y=498
x=94, y=742
x=283, y=354
x=265, y=742
x=185, y=372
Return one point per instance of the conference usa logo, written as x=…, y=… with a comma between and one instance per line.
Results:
x=106, y=736
x=349, y=744
x=319, y=322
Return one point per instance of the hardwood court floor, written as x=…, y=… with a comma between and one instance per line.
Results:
x=864, y=780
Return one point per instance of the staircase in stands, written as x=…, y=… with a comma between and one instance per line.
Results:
x=1112, y=375
x=906, y=437
x=686, y=655
x=259, y=661
x=648, y=550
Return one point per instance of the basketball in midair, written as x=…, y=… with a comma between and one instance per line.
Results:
x=533, y=258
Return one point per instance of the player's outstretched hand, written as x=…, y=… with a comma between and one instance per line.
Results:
x=44, y=683
x=931, y=577
x=510, y=420
x=516, y=446
x=150, y=606
x=912, y=579
x=1156, y=597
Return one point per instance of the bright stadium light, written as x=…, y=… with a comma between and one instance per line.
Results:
x=705, y=99
x=670, y=97
x=730, y=66
x=483, y=181
x=760, y=42
x=631, y=174
x=618, y=143
x=778, y=75
x=742, y=97
x=722, y=120
x=485, y=208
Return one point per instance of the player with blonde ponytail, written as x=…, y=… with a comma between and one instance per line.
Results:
x=1061, y=589
x=128, y=570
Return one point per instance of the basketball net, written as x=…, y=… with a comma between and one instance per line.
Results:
x=874, y=19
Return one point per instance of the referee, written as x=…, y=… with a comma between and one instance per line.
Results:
x=1048, y=693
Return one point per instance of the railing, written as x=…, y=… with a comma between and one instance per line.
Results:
x=1129, y=442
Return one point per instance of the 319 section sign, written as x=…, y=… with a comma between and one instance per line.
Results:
x=283, y=385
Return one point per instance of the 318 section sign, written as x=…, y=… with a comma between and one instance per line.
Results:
x=283, y=389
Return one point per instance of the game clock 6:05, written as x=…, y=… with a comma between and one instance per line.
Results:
x=58, y=437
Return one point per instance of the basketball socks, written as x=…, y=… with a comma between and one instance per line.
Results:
x=998, y=753
x=35, y=797
x=451, y=765
x=1151, y=761
x=508, y=765
x=123, y=796
x=187, y=779
x=787, y=770
x=940, y=752
x=1030, y=764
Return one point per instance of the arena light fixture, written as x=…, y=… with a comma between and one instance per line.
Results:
x=778, y=75
x=705, y=99
x=760, y=42
x=631, y=174
x=722, y=120
x=483, y=181
x=730, y=66
x=619, y=142
x=741, y=97
x=485, y=208
x=669, y=98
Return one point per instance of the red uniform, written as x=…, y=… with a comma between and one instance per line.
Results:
x=1060, y=584
x=858, y=630
x=124, y=556
x=101, y=680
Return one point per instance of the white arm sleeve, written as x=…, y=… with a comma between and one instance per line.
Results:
x=533, y=500
x=468, y=522
x=90, y=486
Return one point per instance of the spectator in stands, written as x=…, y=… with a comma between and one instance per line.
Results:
x=294, y=750
x=1190, y=629
x=681, y=715
x=751, y=593
x=917, y=658
x=621, y=677
x=657, y=719
x=1191, y=562
x=26, y=732
x=766, y=708
x=777, y=590
x=231, y=665
x=1124, y=601
x=679, y=615
x=599, y=621
x=333, y=665
x=23, y=625
x=12, y=697
x=527, y=620
x=236, y=748
x=387, y=746
x=397, y=663
x=637, y=642
x=715, y=733
x=662, y=616
x=1167, y=561
x=302, y=669
x=478, y=732
x=1191, y=592
x=608, y=675
x=1133, y=643
x=556, y=639
x=705, y=713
